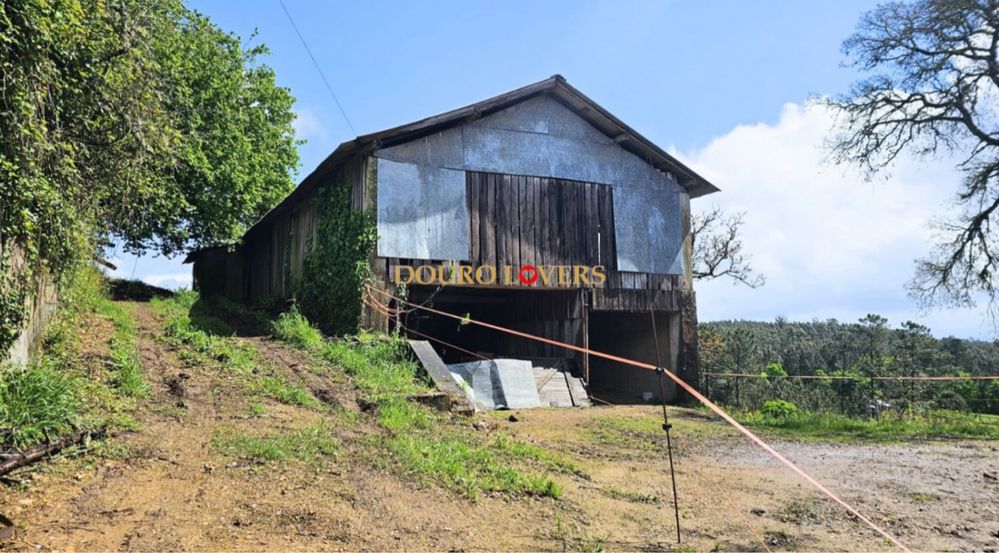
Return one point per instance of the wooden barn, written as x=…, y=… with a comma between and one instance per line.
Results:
x=540, y=177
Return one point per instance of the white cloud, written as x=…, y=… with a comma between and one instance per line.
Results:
x=170, y=281
x=830, y=244
x=308, y=125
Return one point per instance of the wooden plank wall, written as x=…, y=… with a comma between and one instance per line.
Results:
x=520, y=220
x=517, y=220
x=274, y=255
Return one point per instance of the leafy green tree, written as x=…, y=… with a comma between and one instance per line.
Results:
x=130, y=120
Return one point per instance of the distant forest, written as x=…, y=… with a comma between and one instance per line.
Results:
x=864, y=349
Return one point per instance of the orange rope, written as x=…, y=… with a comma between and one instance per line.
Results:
x=688, y=388
x=846, y=377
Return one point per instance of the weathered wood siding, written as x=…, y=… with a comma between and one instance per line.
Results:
x=266, y=266
x=520, y=220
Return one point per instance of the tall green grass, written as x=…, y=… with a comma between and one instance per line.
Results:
x=292, y=327
x=36, y=403
x=825, y=426
x=62, y=391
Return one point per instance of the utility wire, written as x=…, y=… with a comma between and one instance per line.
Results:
x=316, y=65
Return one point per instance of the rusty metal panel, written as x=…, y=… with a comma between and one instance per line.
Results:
x=422, y=213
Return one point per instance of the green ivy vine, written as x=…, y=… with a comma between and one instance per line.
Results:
x=336, y=266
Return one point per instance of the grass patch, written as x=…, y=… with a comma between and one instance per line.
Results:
x=633, y=497
x=921, y=497
x=462, y=465
x=549, y=459
x=193, y=324
x=278, y=388
x=308, y=444
x=294, y=328
x=36, y=403
x=377, y=363
x=64, y=390
x=823, y=426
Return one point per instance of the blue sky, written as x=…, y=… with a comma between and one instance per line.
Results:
x=723, y=84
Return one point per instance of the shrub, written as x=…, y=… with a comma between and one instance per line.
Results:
x=779, y=409
x=294, y=328
x=774, y=370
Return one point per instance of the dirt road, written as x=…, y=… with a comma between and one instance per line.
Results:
x=166, y=486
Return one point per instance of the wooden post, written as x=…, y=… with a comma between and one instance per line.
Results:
x=586, y=335
x=689, y=366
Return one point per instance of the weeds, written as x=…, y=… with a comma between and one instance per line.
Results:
x=64, y=390
x=377, y=364
x=633, y=497
x=825, y=426
x=294, y=328
x=278, y=388
x=308, y=444
x=36, y=403
x=464, y=466
x=548, y=459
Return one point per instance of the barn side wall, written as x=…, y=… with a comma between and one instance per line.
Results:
x=266, y=266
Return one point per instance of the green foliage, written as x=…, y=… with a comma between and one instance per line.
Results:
x=128, y=377
x=779, y=409
x=336, y=266
x=825, y=426
x=294, y=328
x=465, y=466
x=36, y=403
x=308, y=444
x=131, y=120
x=278, y=388
x=61, y=391
x=774, y=370
x=861, y=351
x=377, y=363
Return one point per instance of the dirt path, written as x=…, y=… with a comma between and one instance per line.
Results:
x=167, y=487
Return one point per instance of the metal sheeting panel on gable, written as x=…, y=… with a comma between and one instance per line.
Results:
x=422, y=213
x=541, y=137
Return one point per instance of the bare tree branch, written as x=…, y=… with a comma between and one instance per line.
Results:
x=932, y=89
x=718, y=248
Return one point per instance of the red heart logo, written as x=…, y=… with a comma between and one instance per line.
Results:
x=528, y=274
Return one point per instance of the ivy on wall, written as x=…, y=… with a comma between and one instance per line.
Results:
x=336, y=266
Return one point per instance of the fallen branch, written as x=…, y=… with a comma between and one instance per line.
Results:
x=33, y=454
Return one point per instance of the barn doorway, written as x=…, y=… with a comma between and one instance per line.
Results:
x=555, y=314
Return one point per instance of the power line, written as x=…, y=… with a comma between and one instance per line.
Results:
x=316, y=65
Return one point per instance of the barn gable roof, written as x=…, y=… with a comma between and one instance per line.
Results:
x=555, y=86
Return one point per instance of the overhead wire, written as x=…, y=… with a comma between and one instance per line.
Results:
x=318, y=68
